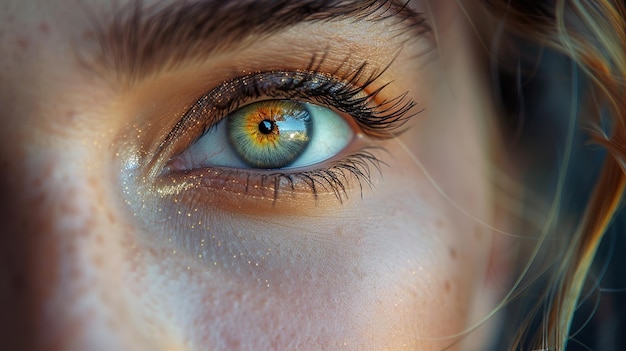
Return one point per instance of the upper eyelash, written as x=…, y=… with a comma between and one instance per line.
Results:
x=381, y=120
x=340, y=92
x=343, y=90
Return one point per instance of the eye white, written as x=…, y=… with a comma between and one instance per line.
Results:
x=330, y=135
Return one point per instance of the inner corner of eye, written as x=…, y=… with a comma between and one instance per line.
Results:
x=271, y=134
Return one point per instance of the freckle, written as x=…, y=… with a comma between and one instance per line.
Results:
x=446, y=286
x=71, y=116
x=48, y=170
x=44, y=28
x=99, y=239
x=453, y=253
x=38, y=182
x=68, y=208
x=440, y=223
x=111, y=217
x=76, y=273
x=22, y=43
x=98, y=261
x=478, y=233
x=89, y=34
x=93, y=182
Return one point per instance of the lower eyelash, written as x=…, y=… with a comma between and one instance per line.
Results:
x=333, y=178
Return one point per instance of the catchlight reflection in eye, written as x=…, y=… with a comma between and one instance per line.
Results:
x=271, y=134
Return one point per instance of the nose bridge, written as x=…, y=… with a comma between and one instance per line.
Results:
x=63, y=287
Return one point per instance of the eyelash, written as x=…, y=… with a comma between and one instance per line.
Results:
x=340, y=90
x=332, y=178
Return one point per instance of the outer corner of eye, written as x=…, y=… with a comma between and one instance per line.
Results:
x=270, y=134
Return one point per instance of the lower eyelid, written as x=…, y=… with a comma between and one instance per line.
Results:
x=217, y=188
x=257, y=190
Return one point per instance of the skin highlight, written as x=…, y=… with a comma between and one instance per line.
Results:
x=96, y=258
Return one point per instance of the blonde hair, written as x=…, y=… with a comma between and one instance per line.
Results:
x=592, y=34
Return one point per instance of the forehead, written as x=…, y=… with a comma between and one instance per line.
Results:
x=47, y=43
x=75, y=18
x=138, y=35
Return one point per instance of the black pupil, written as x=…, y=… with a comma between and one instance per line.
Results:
x=266, y=126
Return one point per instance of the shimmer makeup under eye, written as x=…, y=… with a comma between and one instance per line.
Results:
x=351, y=94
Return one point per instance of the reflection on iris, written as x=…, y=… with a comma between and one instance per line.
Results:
x=270, y=134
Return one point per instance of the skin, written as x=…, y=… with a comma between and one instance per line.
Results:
x=96, y=255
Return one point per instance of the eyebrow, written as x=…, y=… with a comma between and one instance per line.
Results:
x=141, y=40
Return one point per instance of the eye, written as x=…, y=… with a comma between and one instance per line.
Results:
x=270, y=134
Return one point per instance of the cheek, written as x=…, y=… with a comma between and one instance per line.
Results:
x=428, y=264
x=397, y=268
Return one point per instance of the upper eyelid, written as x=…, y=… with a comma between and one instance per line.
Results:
x=225, y=98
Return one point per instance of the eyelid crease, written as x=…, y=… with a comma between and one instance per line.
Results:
x=342, y=89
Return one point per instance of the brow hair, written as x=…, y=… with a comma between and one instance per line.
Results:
x=140, y=40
